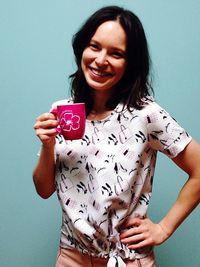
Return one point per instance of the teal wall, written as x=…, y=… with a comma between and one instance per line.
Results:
x=35, y=61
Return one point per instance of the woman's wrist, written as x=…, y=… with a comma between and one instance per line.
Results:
x=165, y=229
x=48, y=146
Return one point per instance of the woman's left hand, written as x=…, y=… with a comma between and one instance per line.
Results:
x=138, y=233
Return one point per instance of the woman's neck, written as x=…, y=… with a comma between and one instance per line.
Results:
x=98, y=115
x=100, y=110
x=100, y=101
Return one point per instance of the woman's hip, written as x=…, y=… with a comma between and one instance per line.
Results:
x=73, y=258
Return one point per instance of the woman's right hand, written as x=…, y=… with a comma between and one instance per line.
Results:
x=45, y=128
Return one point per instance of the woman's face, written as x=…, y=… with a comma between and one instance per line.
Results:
x=104, y=59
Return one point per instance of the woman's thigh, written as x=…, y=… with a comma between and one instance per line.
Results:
x=72, y=258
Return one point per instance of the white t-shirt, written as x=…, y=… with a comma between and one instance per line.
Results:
x=108, y=174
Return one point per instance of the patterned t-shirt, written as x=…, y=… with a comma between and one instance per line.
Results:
x=107, y=176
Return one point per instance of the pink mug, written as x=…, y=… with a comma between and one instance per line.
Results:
x=71, y=119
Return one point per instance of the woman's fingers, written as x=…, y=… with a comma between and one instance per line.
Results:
x=45, y=128
x=50, y=124
x=46, y=120
x=49, y=132
x=133, y=238
x=132, y=232
x=130, y=222
x=46, y=116
x=142, y=232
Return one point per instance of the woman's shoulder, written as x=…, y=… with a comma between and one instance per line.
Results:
x=150, y=105
x=149, y=108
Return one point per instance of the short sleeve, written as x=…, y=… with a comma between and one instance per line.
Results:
x=164, y=132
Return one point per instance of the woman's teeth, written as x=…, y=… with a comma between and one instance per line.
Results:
x=100, y=73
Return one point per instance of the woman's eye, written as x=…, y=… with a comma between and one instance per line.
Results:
x=118, y=54
x=94, y=46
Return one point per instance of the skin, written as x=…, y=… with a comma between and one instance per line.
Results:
x=103, y=64
x=104, y=61
x=43, y=177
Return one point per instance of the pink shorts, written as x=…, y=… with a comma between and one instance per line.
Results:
x=73, y=258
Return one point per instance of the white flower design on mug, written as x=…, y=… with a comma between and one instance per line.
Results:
x=69, y=122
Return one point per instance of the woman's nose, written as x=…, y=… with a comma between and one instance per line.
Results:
x=101, y=58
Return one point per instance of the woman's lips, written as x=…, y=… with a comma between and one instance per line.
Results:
x=99, y=73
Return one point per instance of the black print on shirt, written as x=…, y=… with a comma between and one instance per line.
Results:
x=140, y=137
x=92, y=184
x=81, y=188
x=65, y=183
x=125, y=134
x=97, y=136
x=121, y=186
x=106, y=189
x=112, y=139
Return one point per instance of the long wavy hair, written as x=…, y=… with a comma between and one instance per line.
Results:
x=135, y=84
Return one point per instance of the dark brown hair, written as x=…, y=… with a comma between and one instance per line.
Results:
x=135, y=83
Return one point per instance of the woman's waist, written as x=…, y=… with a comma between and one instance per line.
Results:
x=101, y=247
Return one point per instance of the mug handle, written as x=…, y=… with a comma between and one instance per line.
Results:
x=55, y=113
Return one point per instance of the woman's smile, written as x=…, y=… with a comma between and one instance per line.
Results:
x=98, y=73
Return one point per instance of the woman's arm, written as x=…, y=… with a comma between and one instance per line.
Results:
x=144, y=232
x=44, y=172
x=189, y=196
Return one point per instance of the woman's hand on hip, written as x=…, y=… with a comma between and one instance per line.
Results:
x=138, y=233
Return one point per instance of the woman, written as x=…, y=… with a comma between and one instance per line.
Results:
x=104, y=181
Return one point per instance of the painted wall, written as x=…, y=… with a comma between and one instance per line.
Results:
x=35, y=61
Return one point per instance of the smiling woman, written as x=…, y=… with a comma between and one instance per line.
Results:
x=104, y=180
x=103, y=60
